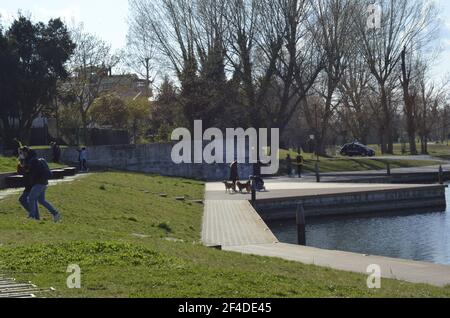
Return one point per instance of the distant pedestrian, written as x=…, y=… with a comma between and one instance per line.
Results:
x=234, y=174
x=259, y=182
x=82, y=158
x=300, y=163
x=39, y=174
x=289, y=165
x=56, y=151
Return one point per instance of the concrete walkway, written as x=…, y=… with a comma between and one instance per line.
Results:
x=7, y=192
x=234, y=223
x=293, y=188
x=392, y=268
x=231, y=222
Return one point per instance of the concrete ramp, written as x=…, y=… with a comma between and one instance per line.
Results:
x=233, y=223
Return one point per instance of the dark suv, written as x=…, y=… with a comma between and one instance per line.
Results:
x=357, y=149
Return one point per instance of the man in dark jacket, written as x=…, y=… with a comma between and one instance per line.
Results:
x=56, y=151
x=39, y=184
x=234, y=173
x=23, y=169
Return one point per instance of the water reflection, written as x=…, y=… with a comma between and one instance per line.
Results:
x=421, y=237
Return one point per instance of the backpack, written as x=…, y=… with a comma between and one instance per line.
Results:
x=46, y=173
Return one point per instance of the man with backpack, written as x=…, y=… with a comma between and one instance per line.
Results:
x=23, y=169
x=39, y=174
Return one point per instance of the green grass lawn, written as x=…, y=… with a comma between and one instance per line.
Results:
x=9, y=164
x=436, y=150
x=130, y=242
x=340, y=164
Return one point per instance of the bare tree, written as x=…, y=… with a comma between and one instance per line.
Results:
x=402, y=23
x=410, y=92
x=297, y=66
x=90, y=65
x=432, y=97
x=355, y=111
x=141, y=53
x=332, y=29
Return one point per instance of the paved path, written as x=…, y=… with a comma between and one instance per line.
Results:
x=368, y=176
x=7, y=192
x=294, y=188
x=409, y=158
x=232, y=223
x=410, y=271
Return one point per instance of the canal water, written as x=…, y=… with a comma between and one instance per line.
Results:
x=420, y=237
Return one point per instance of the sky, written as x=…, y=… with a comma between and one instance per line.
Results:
x=108, y=20
x=105, y=18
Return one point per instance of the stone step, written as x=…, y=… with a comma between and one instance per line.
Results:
x=18, y=295
x=70, y=171
x=17, y=181
x=58, y=174
x=10, y=288
x=14, y=182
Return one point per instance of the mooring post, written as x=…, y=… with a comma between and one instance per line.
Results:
x=253, y=188
x=388, y=167
x=317, y=172
x=301, y=225
x=441, y=175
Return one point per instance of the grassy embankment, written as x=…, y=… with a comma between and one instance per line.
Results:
x=9, y=164
x=340, y=164
x=440, y=150
x=131, y=242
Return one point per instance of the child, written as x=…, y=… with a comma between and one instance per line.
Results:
x=83, y=159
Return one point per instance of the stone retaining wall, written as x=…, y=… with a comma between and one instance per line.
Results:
x=150, y=158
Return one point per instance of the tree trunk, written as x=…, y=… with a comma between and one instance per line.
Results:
x=388, y=144
x=412, y=143
x=85, y=130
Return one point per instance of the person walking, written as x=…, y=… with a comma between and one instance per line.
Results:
x=300, y=163
x=56, y=150
x=289, y=165
x=39, y=174
x=83, y=159
x=234, y=174
x=23, y=170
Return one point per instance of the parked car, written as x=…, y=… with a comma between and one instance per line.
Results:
x=357, y=149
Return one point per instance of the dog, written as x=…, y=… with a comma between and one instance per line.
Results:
x=229, y=187
x=247, y=186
